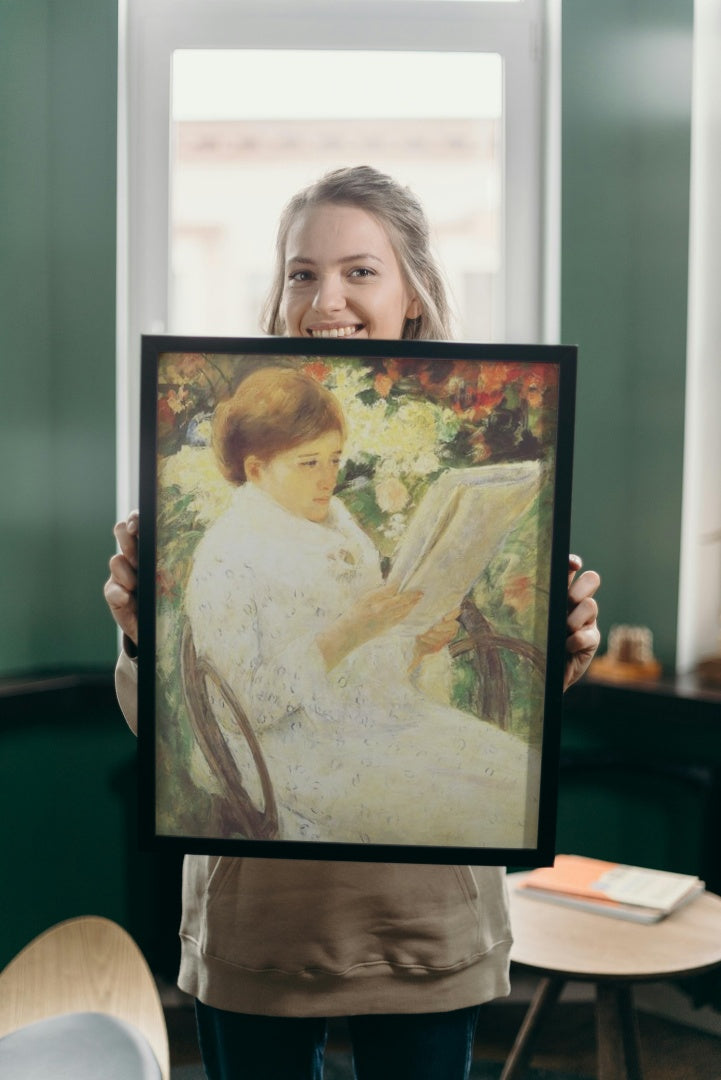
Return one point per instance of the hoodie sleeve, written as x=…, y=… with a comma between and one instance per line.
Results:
x=126, y=688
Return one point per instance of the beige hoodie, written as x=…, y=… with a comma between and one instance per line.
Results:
x=283, y=937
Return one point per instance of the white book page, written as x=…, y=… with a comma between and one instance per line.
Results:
x=455, y=531
x=651, y=888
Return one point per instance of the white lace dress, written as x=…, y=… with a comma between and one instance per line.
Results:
x=358, y=754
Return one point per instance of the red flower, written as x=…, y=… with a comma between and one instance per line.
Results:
x=394, y=370
x=486, y=402
x=166, y=416
x=497, y=376
x=519, y=592
x=383, y=384
x=535, y=379
x=317, y=370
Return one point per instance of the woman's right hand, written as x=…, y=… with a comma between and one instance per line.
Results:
x=121, y=587
x=371, y=615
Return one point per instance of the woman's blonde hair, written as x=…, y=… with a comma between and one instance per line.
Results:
x=402, y=216
x=272, y=409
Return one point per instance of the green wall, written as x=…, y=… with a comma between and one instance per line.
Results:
x=57, y=327
x=67, y=773
x=626, y=145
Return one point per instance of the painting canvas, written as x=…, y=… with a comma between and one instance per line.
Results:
x=353, y=572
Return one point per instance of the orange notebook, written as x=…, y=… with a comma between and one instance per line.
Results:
x=631, y=892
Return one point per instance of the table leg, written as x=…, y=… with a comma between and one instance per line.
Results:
x=617, y=1033
x=545, y=997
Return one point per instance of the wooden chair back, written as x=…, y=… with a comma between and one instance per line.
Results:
x=86, y=964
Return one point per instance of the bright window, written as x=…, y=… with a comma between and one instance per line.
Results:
x=236, y=159
x=227, y=107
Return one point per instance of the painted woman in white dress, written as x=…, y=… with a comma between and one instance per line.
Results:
x=287, y=601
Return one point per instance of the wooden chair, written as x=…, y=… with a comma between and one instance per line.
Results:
x=239, y=813
x=56, y=994
x=493, y=699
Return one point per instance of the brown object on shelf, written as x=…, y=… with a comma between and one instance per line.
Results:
x=605, y=667
x=629, y=658
x=709, y=671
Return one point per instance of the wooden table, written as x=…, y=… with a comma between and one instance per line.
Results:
x=563, y=944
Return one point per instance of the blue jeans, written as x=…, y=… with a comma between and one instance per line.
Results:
x=413, y=1046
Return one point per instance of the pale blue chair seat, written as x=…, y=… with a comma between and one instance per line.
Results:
x=80, y=1003
x=78, y=1046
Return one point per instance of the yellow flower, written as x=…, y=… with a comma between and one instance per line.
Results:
x=194, y=470
x=391, y=495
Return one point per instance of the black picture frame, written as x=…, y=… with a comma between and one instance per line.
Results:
x=478, y=421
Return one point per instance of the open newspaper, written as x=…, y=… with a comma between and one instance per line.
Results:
x=458, y=526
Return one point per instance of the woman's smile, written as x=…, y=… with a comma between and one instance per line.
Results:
x=334, y=331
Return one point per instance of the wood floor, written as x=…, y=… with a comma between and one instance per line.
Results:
x=669, y=1051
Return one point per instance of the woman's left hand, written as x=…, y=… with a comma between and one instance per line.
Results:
x=433, y=640
x=582, y=633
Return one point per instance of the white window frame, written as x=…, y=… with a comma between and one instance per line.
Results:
x=699, y=598
x=526, y=34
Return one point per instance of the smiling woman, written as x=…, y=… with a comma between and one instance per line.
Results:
x=353, y=259
x=339, y=260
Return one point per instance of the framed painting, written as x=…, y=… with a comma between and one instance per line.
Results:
x=352, y=597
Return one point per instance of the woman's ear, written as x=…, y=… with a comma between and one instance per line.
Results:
x=252, y=466
x=415, y=309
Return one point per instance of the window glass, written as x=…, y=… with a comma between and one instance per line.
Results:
x=251, y=127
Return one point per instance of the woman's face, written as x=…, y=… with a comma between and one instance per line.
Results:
x=302, y=479
x=342, y=277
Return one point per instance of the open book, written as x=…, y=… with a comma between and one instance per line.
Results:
x=458, y=526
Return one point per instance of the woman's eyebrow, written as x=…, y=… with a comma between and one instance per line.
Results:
x=316, y=453
x=363, y=256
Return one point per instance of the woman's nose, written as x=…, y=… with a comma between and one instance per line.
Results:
x=328, y=476
x=329, y=295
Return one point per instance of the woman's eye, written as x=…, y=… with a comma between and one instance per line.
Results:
x=362, y=272
x=300, y=276
x=309, y=464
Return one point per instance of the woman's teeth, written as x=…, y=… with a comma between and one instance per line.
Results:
x=336, y=332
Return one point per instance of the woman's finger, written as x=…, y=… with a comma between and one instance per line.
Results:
x=123, y=608
x=584, y=586
x=127, y=543
x=123, y=572
x=575, y=563
x=582, y=614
